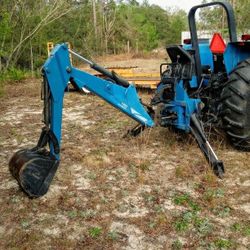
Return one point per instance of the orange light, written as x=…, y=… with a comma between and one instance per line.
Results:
x=217, y=44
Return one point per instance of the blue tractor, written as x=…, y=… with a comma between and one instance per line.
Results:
x=206, y=84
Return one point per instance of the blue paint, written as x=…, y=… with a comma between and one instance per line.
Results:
x=58, y=78
x=193, y=83
x=124, y=99
x=206, y=59
x=236, y=53
x=58, y=71
x=205, y=53
x=183, y=106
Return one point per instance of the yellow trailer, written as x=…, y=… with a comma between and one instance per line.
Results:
x=140, y=79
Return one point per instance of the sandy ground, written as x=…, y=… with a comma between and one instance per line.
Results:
x=155, y=191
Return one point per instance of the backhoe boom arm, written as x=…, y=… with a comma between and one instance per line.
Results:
x=58, y=72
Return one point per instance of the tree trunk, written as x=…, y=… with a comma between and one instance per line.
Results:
x=31, y=60
x=94, y=17
x=128, y=47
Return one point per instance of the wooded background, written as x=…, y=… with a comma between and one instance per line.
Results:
x=97, y=27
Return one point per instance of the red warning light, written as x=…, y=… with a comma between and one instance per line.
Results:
x=245, y=37
x=217, y=44
x=187, y=41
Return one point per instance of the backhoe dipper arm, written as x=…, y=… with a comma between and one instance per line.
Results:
x=35, y=168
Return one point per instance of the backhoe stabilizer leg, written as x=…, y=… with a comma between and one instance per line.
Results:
x=198, y=132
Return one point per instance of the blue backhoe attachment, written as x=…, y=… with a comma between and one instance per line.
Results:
x=34, y=168
x=58, y=72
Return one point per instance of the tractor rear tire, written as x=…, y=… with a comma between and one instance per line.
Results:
x=235, y=99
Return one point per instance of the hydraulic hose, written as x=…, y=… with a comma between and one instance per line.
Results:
x=112, y=75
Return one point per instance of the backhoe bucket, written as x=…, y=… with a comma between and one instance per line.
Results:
x=34, y=170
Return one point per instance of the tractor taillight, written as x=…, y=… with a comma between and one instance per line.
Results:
x=245, y=37
x=187, y=41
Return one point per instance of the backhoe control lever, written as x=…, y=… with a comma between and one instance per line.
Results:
x=199, y=134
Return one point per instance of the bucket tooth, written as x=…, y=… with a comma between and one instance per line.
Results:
x=34, y=170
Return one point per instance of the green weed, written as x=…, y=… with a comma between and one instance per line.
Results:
x=113, y=235
x=159, y=209
x=152, y=224
x=25, y=224
x=241, y=228
x=190, y=219
x=144, y=166
x=246, y=231
x=133, y=174
x=72, y=214
x=13, y=74
x=87, y=214
x=236, y=227
x=203, y=225
x=223, y=243
x=124, y=193
x=91, y=176
x=177, y=245
x=222, y=211
x=185, y=200
x=181, y=199
x=1, y=89
x=94, y=232
x=181, y=225
x=214, y=193
x=149, y=198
